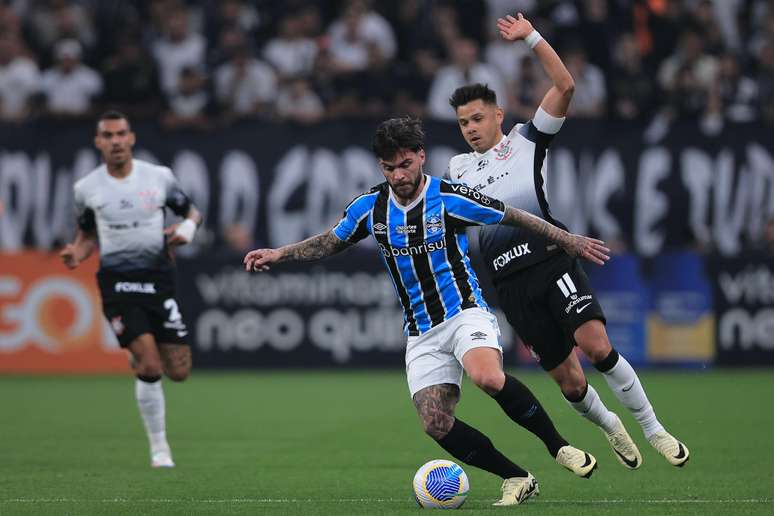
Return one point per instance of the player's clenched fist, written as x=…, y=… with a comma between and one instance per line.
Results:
x=260, y=259
x=68, y=256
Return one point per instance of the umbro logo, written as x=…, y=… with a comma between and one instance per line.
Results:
x=479, y=335
x=380, y=229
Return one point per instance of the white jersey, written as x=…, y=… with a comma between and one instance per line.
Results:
x=512, y=171
x=128, y=215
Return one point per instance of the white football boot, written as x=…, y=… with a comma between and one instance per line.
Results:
x=578, y=461
x=517, y=489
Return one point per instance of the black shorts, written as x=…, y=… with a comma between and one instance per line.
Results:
x=130, y=318
x=546, y=303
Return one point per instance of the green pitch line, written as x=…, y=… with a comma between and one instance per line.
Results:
x=349, y=443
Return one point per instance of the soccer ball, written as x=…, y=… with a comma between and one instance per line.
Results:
x=440, y=484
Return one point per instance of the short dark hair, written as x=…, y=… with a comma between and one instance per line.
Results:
x=113, y=115
x=398, y=133
x=471, y=92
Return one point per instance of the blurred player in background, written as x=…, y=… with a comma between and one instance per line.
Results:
x=544, y=291
x=418, y=222
x=120, y=208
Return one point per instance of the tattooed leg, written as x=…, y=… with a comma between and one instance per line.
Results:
x=435, y=406
x=177, y=361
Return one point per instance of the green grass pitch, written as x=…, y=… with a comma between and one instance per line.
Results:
x=349, y=442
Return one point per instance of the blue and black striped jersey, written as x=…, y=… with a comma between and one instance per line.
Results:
x=424, y=246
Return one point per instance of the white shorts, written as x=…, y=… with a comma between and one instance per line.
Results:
x=435, y=357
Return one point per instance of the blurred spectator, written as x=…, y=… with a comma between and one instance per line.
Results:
x=131, y=80
x=232, y=15
x=738, y=94
x=360, y=39
x=19, y=79
x=245, y=86
x=633, y=91
x=507, y=57
x=177, y=49
x=10, y=22
x=464, y=69
x=590, y=92
x=768, y=236
x=687, y=97
x=425, y=30
x=690, y=54
x=54, y=20
x=597, y=31
x=70, y=86
x=291, y=53
x=766, y=81
x=297, y=102
x=187, y=106
x=703, y=17
x=529, y=90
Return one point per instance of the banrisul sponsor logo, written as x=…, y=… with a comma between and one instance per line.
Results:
x=516, y=251
x=413, y=250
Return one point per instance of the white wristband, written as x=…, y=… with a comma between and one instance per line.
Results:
x=186, y=229
x=533, y=38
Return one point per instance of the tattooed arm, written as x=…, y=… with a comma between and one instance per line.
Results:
x=313, y=248
x=575, y=245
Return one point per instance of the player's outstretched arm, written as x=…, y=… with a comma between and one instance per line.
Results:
x=591, y=249
x=313, y=248
x=557, y=99
x=80, y=249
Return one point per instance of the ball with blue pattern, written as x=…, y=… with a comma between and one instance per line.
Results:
x=440, y=484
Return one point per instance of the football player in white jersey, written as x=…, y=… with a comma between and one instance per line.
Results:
x=545, y=294
x=120, y=207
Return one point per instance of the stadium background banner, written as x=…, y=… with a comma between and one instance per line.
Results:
x=744, y=307
x=283, y=183
x=51, y=318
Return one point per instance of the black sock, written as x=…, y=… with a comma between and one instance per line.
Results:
x=608, y=362
x=148, y=379
x=470, y=446
x=520, y=404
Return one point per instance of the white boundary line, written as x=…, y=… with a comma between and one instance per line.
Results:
x=371, y=500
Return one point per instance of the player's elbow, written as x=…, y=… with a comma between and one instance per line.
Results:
x=566, y=86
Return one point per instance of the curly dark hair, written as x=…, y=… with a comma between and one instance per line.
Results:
x=398, y=133
x=471, y=92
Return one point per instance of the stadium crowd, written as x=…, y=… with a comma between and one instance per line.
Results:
x=204, y=63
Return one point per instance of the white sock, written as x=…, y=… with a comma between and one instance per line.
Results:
x=626, y=386
x=150, y=401
x=592, y=408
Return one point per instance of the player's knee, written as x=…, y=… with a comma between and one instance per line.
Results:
x=437, y=423
x=490, y=381
x=178, y=374
x=573, y=389
x=593, y=341
x=148, y=367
